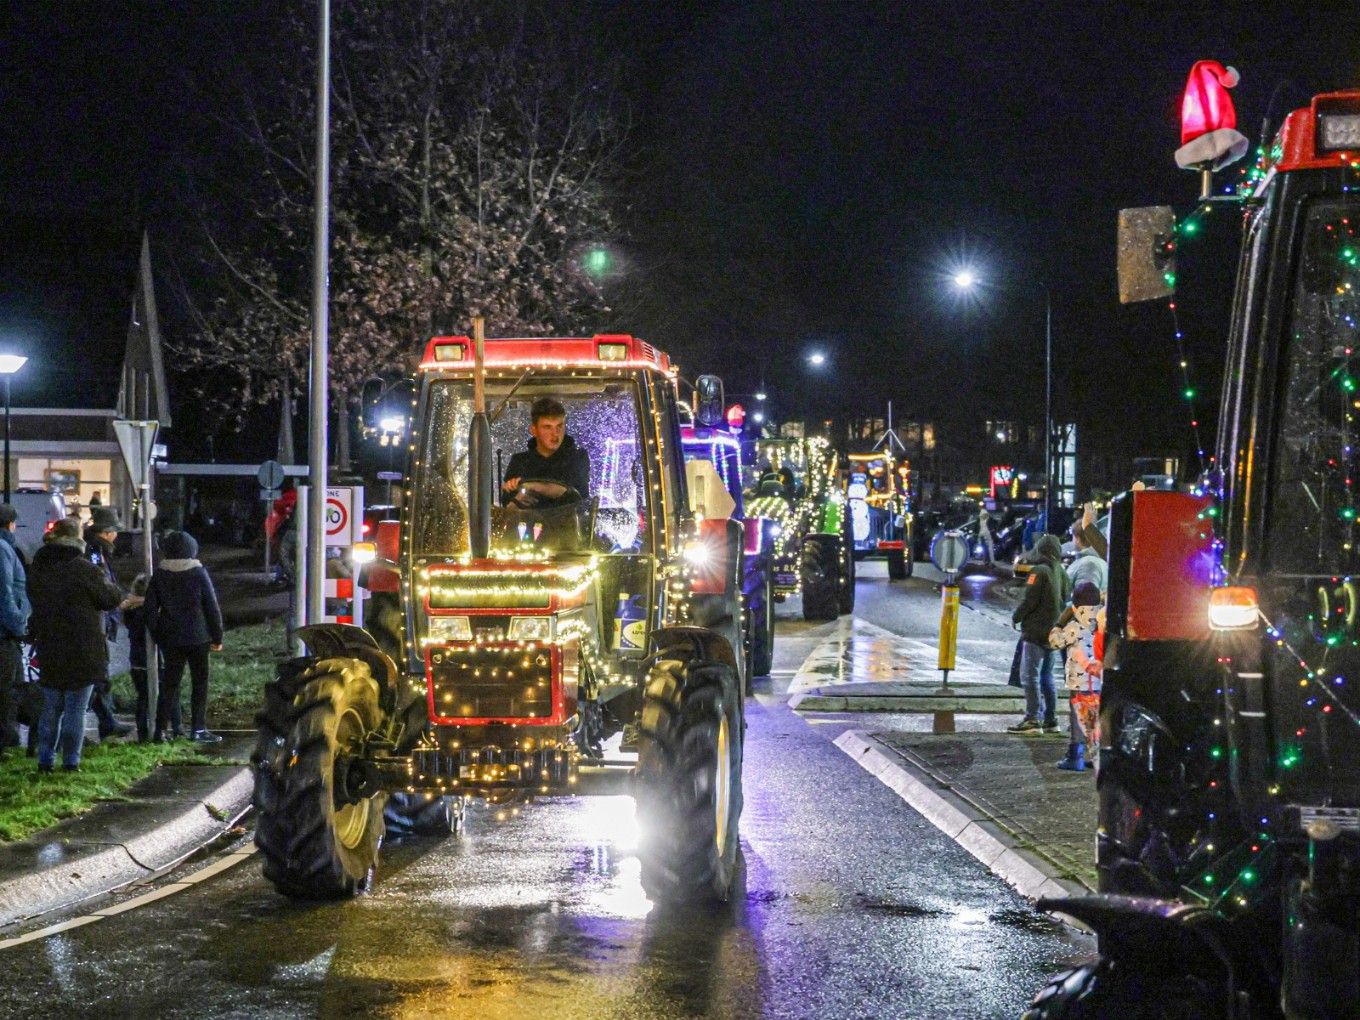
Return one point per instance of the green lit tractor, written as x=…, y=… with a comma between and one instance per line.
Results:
x=794, y=484
x=565, y=643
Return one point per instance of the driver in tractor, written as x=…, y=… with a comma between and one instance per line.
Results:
x=552, y=471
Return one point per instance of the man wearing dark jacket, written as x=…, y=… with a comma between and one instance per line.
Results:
x=100, y=535
x=1046, y=595
x=184, y=618
x=14, y=610
x=552, y=462
x=70, y=596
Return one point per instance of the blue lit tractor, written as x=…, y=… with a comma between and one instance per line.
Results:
x=877, y=501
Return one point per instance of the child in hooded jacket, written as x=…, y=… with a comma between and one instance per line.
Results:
x=1077, y=632
x=183, y=616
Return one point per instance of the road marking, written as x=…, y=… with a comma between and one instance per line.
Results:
x=201, y=875
x=860, y=652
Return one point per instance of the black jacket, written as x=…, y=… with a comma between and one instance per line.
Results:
x=70, y=596
x=181, y=606
x=569, y=465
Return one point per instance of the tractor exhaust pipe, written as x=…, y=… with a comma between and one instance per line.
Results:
x=479, y=451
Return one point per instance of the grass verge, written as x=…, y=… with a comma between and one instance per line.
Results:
x=30, y=801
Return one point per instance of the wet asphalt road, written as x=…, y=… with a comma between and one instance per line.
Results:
x=853, y=907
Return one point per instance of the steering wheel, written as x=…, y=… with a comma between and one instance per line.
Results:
x=526, y=498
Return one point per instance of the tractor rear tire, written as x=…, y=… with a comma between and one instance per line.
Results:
x=313, y=845
x=897, y=565
x=845, y=594
x=1101, y=989
x=384, y=620
x=422, y=814
x=819, y=569
x=688, y=780
x=762, y=613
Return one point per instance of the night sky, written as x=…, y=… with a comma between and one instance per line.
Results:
x=809, y=173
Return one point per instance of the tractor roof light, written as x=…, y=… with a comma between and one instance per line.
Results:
x=612, y=352
x=1233, y=609
x=1338, y=124
x=450, y=352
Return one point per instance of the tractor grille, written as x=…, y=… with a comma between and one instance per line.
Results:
x=477, y=682
x=492, y=766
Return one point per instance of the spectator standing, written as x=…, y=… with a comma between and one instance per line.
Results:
x=70, y=596
x=1046, y=595
x=14, y=612
x=99, y=538
x=134, y=619
x=1087, y=566
x=183, y=616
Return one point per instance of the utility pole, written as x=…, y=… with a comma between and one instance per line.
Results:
x=319, y=382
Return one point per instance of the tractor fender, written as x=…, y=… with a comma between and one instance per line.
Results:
x=705, y=644
x=345, y=641
x=1148, y=928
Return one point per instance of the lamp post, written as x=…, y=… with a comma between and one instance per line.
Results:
x=9, y=364
x=967, y=280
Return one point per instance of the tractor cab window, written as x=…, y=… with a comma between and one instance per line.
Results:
x=869, y=478
x=1315, y=515
x=602, y=419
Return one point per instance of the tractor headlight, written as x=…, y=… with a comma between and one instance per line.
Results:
x=530, y=628
x=363, y=552
x=1233, y=609
x=450, y=628
x=698, y=554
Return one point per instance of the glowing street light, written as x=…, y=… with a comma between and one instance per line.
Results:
x=964, y=279
x=816, y=358
x=9, y=364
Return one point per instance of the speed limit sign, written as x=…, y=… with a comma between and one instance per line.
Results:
x=339, y=516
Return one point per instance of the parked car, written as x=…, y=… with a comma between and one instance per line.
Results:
x=38, y=510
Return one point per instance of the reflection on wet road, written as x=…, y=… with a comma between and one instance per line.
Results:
x=853, y=907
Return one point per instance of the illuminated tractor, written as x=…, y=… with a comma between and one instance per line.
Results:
x=570, y=643
x=876, y=495
x=1229, y=775
x=714, y=472
x=792, y=485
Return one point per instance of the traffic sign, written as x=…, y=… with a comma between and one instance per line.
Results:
x=339, y=516
x=270, y=475
x=949, y=551
x=136, y=439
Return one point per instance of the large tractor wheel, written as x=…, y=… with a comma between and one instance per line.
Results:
x=897, y=565
x=819, y=569
x=762, y=615
x=1101, y=990
x=316, y=841
x=688, y=780
x=423, y=814
x=845, y=593
x=384, y=619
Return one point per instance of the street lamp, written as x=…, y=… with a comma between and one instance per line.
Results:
x=816, y=358
x=9, y=364
x=967, y=280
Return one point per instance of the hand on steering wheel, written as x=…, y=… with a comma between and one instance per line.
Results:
x=532, y=492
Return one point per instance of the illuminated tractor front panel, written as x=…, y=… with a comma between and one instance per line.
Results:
x=874, y=502
x=513, y=652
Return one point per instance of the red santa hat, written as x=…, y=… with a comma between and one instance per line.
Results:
x=1209, y=136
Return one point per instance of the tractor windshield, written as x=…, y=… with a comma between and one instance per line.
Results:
x=602, y=420
x=1313, y=524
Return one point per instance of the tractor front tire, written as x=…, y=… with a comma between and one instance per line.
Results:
x=762, y=615
x=845, y=593
x=819, y=570
x=423, y=814
x=315, y=843
x=688, y=780
x=897, y=565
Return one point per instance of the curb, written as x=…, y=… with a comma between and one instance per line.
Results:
x=814, y=702
x=1029, y=873
x=83, y=875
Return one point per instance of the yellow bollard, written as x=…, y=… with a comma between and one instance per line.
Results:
x=949, y=640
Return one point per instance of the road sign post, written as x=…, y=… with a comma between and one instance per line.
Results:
x=137, y=441
x=270, y=476
x=949, y=552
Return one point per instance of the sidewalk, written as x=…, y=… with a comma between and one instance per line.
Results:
x=166, y=817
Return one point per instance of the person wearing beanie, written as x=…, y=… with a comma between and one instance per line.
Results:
x=1076, y=632
x=100, y=534
x=70, y=596
x=1046, y=594
x=14, y=612
x=183, y=616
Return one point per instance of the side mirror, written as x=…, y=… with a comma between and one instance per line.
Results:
x=708, y=400
x=1147, y=253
